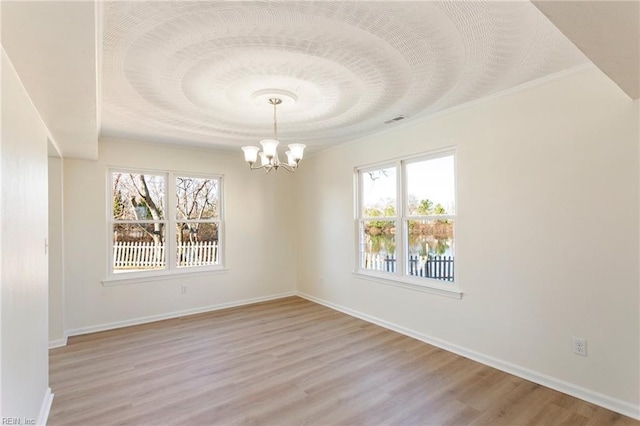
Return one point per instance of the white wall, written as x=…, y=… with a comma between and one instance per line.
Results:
x=260, y=254
x=56, y=258
x=546, y=236
x=23, y=221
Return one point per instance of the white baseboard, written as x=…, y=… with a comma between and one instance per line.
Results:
x=58, y=343
x=614, y=404
x=45, y=408
x=174, y=314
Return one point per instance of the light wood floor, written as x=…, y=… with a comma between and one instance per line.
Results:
x=285, y=362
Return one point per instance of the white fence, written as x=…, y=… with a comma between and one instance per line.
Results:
x=439, y=267
x=141, y=255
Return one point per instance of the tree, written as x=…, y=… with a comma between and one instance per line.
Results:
x=431, y=237
x=140, y=184
x=142, y=192
x=197, y=199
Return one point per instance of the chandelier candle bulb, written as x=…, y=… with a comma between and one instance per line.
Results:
x=297, y=150
x=264, y=161
x=250, y=153
x=269, y=146
x=290, y=160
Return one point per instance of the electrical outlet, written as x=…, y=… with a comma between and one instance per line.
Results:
x=580, y=346
x=183, y=289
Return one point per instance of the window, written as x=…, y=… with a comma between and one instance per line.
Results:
x=164, y=222
x=405, y=220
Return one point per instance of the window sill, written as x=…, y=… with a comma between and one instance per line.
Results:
x=439, y=290
x=158, y=276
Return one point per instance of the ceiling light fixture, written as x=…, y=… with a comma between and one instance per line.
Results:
x=269, y=155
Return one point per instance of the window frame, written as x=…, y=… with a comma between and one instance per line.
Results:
x=401, y=277
x=170, y=220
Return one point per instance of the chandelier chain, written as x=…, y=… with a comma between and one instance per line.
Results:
x=275, y=102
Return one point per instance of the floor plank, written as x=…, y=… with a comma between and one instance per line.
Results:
x=290, y=361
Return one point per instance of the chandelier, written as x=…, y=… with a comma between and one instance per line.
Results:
x=269, y=159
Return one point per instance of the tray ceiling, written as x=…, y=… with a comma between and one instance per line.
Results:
x=185, y=72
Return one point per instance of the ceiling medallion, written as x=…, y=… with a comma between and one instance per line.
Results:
x=269, y=156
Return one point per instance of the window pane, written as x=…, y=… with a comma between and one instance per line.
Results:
x=138, y=247
x=197, y=244
x=379, y=193
x=138, y=196
x=378, y=245
x=430, y=249
x=196, y=198
x=431, y=187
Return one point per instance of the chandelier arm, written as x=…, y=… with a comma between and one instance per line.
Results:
x=269, y=167
x=264, y=166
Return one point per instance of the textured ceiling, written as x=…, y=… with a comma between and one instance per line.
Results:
x=185, y=72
